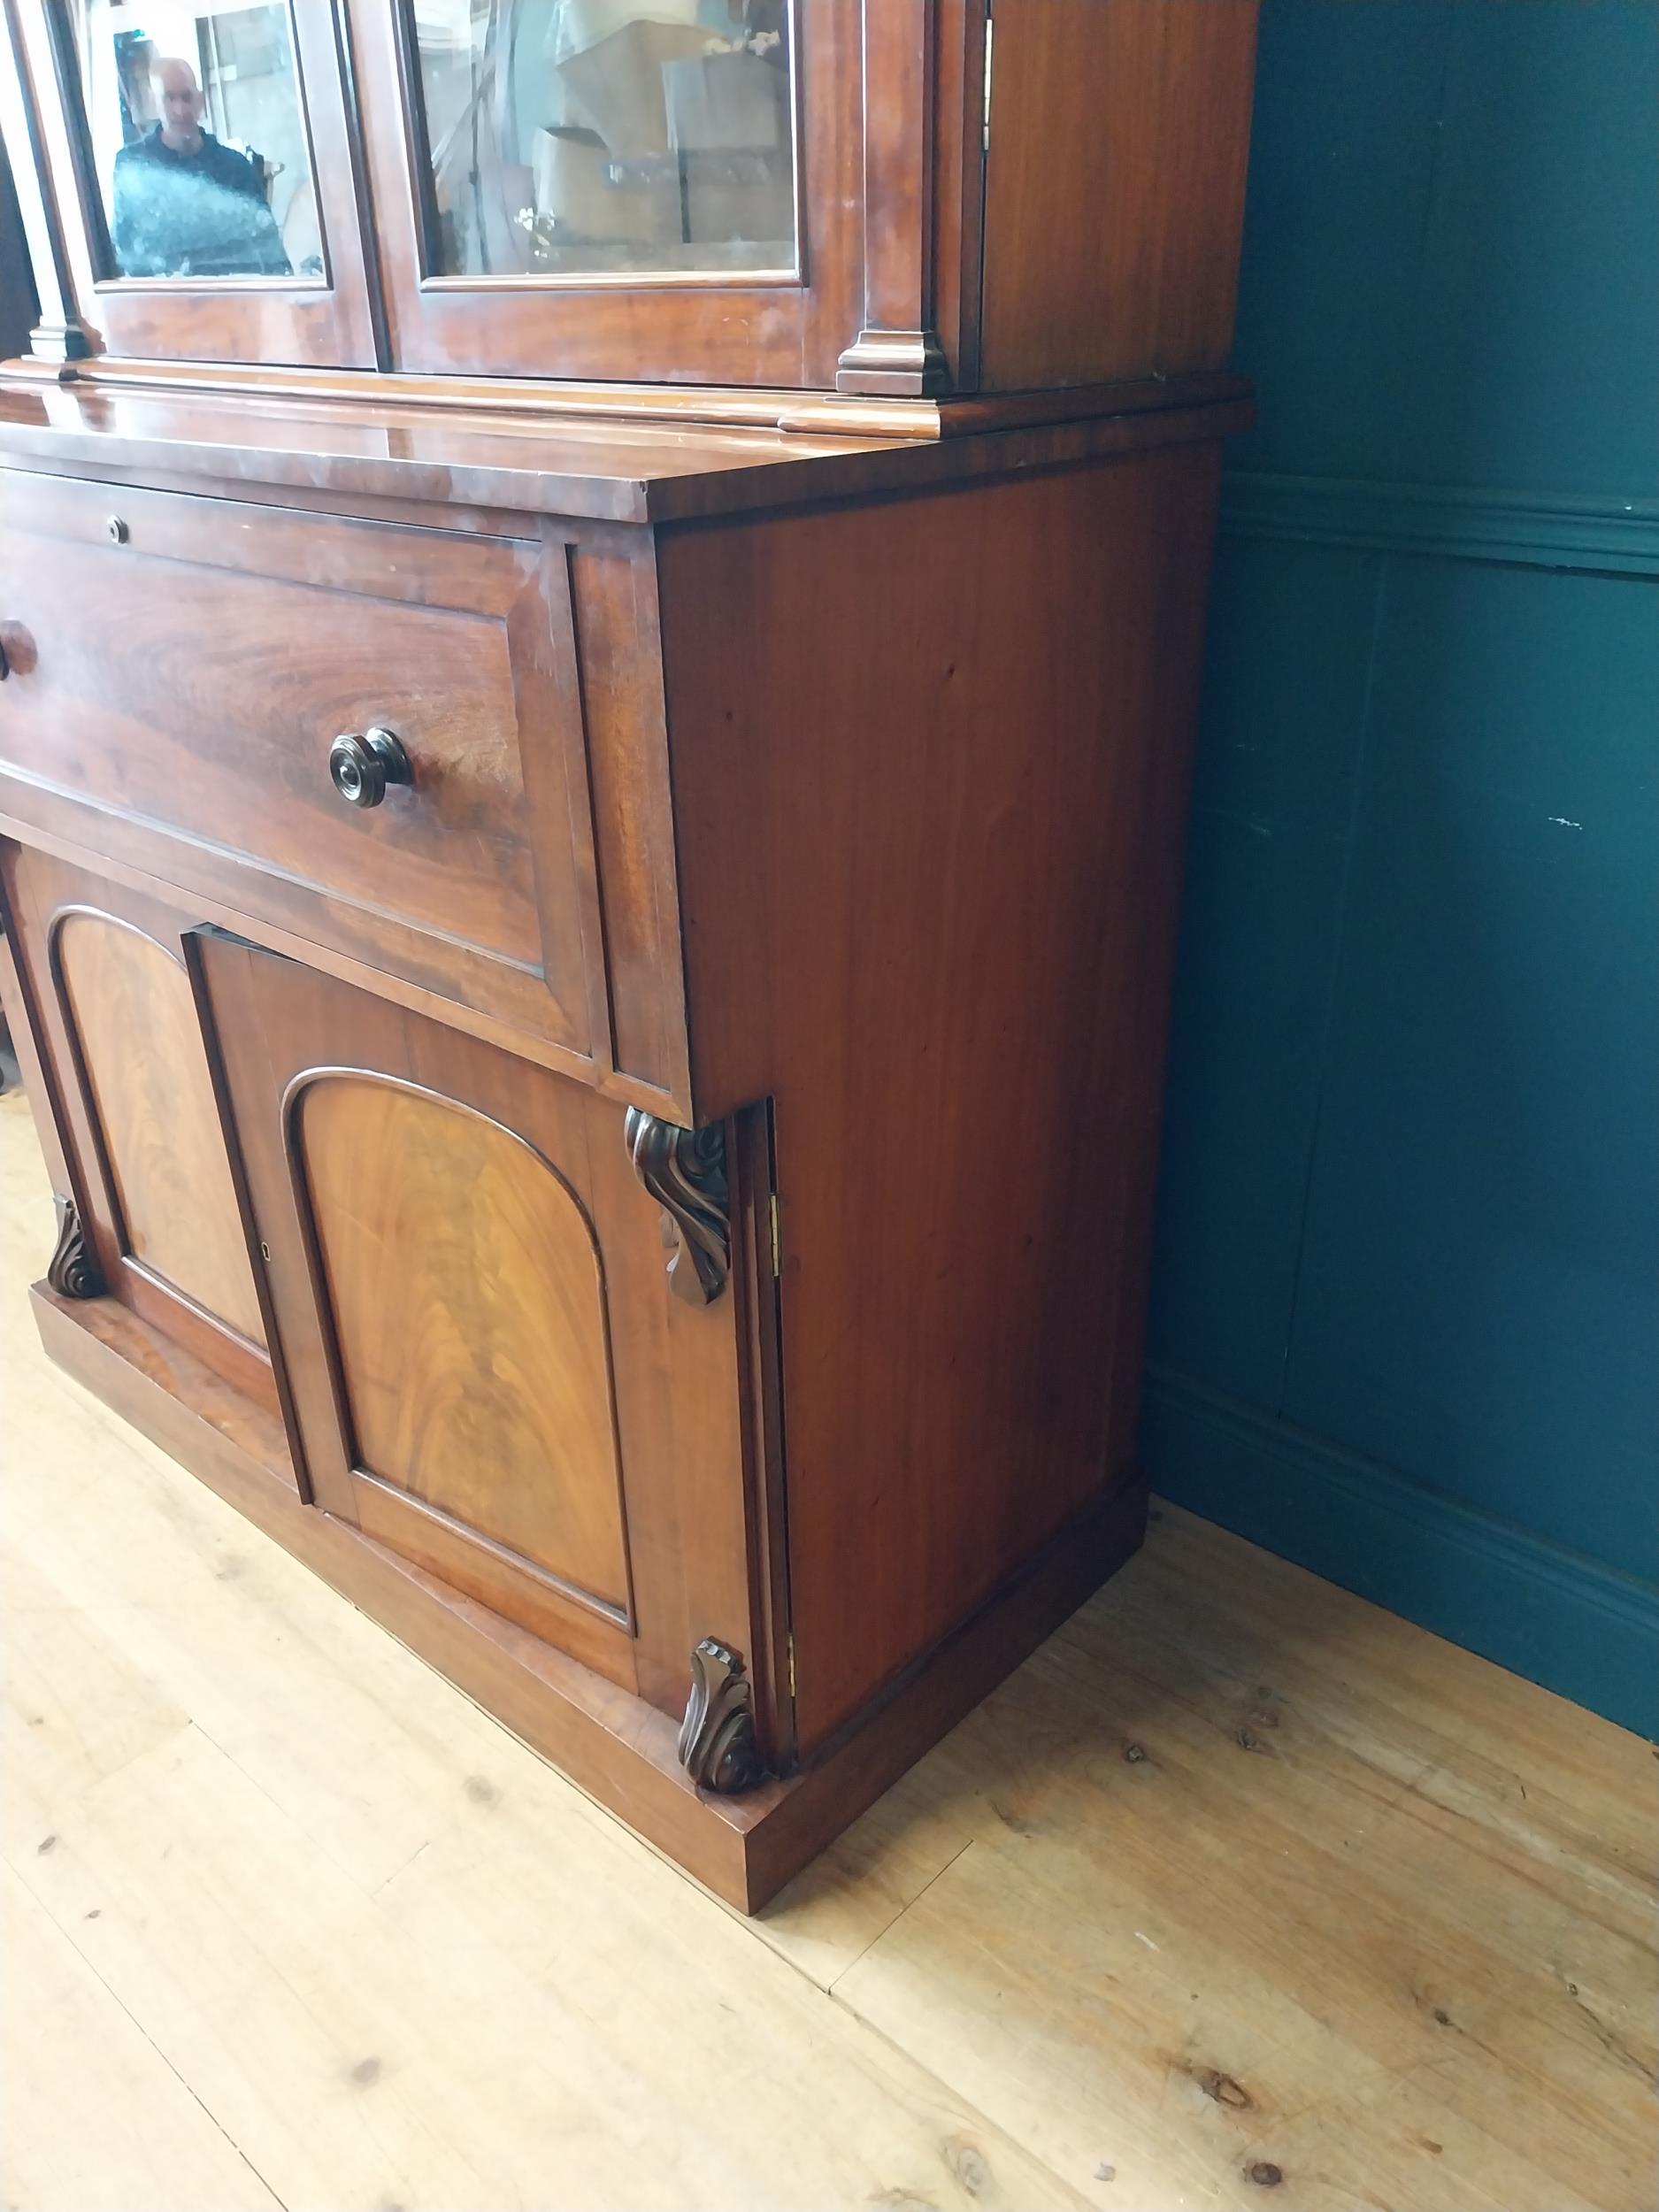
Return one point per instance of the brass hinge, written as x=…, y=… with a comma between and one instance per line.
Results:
x=777, y=1237
x=789, y=1649
x=990, y=28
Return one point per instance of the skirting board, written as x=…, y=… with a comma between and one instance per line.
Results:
x=1567, y=1622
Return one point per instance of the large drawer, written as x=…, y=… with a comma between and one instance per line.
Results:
x=179, y=668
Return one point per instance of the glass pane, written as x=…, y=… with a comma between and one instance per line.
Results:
x=571, y=137
x=196, y=135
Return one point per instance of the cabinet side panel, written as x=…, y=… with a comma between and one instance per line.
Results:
x=1114, y=194
x=929, y=761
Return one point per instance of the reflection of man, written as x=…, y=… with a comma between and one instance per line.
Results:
x=186, y=206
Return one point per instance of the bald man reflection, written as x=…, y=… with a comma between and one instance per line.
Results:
x=184, y=204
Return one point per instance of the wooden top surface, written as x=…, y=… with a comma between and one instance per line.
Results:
x=604, y=468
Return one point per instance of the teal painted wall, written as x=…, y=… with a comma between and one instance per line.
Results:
x=1406, y=1311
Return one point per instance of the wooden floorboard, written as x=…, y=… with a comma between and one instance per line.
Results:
x=1240, y=1892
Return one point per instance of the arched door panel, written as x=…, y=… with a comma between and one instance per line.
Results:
x=121, y=1041
x=459, y=1282
x=131, y=1017
x=491, y=1372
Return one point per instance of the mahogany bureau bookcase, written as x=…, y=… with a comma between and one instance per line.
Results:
x=601, y=605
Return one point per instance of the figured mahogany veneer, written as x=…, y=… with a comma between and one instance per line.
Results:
x=883, y=856
x=127, y=995
x=590, y=866
x=467, y=1292
x=123, y=1083
x=203, y=743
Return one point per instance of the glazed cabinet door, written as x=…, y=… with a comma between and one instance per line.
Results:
x=152, y=1215
x=201, y=177
x=489, y=1368
x=600, y=189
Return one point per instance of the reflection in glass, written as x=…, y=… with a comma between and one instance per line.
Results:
x=582, y=136
x=196, y=135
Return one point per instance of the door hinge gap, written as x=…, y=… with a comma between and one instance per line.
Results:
x=777, y=1236
x=990, y=35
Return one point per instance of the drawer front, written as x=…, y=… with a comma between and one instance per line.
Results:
x=181, y=668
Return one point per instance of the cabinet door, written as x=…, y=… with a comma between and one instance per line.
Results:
x=596, y=189
x=111, y=1005
x=203, y=170
x=489, y=1370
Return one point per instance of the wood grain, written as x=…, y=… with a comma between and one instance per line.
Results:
x=467, y=1304
x=1114, y=188
x=231, y=646
x=913, y=928
x=613, y=598
x=944, y=955
x=1111, y=197
x=486, y=2076
x=615, y=1747
x=630, y=471
x=957, y=186
x=141, y=1051
x=144, y=2141
x=480, y=1301
x=120, y=1078
x=898, y=350
x=28, y=1044
x=209, y=909
x=1415, y=1833
x=812, y=765
x=1245, y=1872
x=813, y=416
x=620, y=1752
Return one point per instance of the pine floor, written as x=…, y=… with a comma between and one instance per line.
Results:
x=1240, y=1893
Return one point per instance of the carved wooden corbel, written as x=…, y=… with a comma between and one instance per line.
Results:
x=684, y=1170
x=72, y=1271
x=718, y=1745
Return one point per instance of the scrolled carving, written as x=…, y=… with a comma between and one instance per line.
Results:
x=684, y=1170
x=718, y=1745
x=72, y=1271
